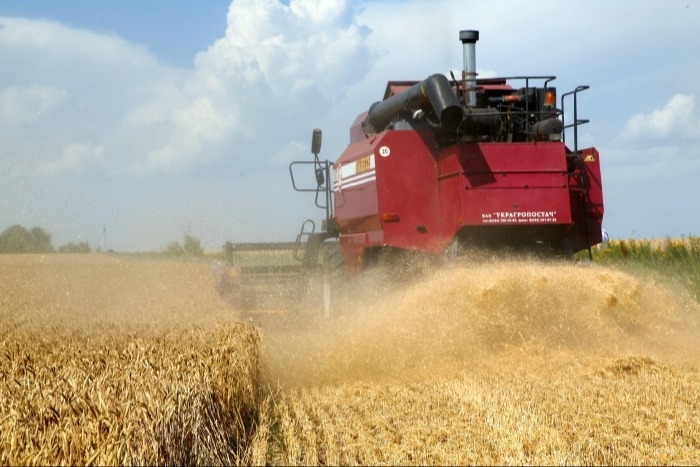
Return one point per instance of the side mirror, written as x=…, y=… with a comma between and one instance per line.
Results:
x=320, y=179
x=316, y=141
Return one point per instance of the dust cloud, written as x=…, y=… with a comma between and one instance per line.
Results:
x=456, y=318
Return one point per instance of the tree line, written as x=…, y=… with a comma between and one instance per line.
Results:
x=18, y=239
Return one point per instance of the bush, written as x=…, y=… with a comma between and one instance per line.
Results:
x=82, y=247
x=174, y=249
x=191, y=246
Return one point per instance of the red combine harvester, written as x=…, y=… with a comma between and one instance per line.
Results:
x=446, y=165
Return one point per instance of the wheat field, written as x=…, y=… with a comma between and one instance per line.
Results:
x=112, y=361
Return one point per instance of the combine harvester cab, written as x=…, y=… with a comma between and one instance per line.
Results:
x=449, y=165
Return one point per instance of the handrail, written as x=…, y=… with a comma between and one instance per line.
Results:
x=324, y=184
x=577, y=121
x=582, y=172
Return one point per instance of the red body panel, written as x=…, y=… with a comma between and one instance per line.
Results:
x=587, y=201
x=398, y=189
x=492, y=183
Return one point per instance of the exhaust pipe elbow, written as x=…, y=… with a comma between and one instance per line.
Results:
x=444, y=101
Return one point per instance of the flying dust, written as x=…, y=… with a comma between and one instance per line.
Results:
x=473, y=315
x=496, y=362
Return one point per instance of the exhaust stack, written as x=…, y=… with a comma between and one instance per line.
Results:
x=469, y=39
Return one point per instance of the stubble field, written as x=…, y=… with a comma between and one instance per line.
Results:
x=105, y=360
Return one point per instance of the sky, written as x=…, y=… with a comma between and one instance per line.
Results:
x=126, y=124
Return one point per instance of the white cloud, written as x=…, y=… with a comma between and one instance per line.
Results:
x=292, y=151
x=276, y=49
x=654, y=163
x=676, y=119
x=193, y=130
x=318, y=11
x=91, y=111
x=113, y=119
x=73, y=160
x=25, y=104
x=63, y=87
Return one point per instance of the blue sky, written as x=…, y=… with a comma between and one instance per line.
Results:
x=155, y=117
x=174, y=31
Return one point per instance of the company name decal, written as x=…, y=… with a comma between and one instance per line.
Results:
x=519, y=217
x=359, y=172
x=364, y=164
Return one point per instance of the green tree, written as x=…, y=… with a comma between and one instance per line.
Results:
x=17, y=239
x=42, y=240
x=192, y=246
